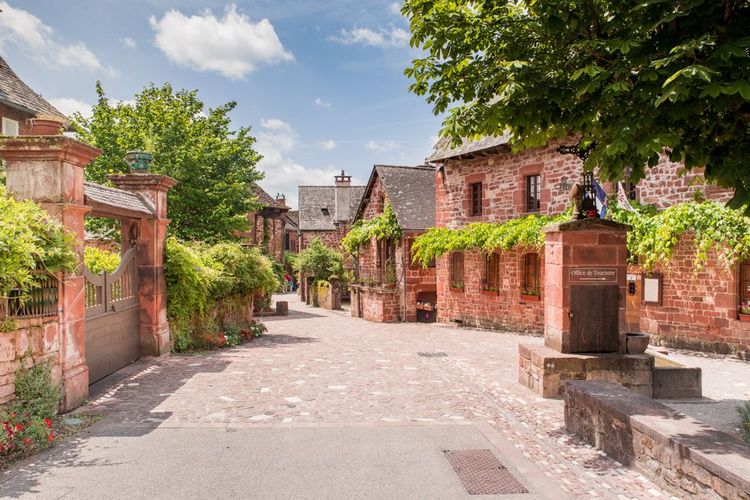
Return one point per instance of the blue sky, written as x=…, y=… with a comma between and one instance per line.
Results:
x=321, y=82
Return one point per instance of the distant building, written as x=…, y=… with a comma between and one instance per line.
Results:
x=23, y=111
x=291, y=232
x=326, y=212
x=268, y=224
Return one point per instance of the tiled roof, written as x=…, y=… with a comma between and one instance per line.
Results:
x=411, y=191
x=317, y=206
x=443, y=149
x=14, y=92
x=292, y=218
x=265, y=199
x=96, y=194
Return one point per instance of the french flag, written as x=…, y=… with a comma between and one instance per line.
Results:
x=601, y=200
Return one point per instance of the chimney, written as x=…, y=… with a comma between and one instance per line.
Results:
x=343, y=198
x=343, y=179
x=281, y=198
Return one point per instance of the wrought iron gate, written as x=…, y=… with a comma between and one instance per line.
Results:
x=112, y=318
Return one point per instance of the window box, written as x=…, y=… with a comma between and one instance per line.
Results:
x=528, y=297
x=457, y=286
x=744, y=317
x=490, y=291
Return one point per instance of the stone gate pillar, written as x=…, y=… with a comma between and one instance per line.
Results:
x=585, y=263
x=151, y=236
x=49, y=171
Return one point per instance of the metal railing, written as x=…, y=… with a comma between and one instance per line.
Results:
x=42, y=301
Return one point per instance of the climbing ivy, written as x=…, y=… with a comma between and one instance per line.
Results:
x=384, y=226
x=715, y=227
x=486, y=236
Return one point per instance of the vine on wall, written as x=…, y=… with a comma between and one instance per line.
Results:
x=383, y=227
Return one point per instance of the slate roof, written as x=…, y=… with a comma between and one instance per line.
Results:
x=312, y=201
x=266, y=200
x=444, y=151
x=292, y=218
x=411, y=191
x=108, y=197
x=15, y=93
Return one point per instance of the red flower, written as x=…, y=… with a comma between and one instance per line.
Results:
x=19, y=427
x=48, y=422
x=51, y=437
x=27, y=441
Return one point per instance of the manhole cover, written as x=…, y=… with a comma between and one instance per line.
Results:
x=437, y=354
x=481, y=473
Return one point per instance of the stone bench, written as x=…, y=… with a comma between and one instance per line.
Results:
x=678, y=451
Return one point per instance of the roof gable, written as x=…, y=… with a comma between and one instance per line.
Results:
x=14, y=92
x=444, y=150
x=317, y=206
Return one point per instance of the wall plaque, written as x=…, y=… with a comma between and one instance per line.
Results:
x=593, y=275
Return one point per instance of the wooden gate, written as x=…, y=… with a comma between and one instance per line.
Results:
x=112, y=318
x=594, y=318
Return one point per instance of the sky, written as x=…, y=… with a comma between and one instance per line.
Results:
x=319, y=81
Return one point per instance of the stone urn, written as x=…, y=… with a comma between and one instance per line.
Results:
x=139, y=161
x=636, y=343
x=46, y=126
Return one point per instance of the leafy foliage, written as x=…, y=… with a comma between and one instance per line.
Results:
x=714, y=227
x=30, y=242
x=198, y=276
x=486, y=236
x=384, y=226
x=214, y=165
x=35, y=391
x=744, y=412
x=100, y=261
x=320, y=261
x=541, y=69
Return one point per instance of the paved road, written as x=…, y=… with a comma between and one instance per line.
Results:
x=324, y=406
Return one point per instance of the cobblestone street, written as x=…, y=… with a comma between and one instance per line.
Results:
x=323, y=369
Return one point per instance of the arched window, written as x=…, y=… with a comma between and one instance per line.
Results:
x=491, y=281
x=530, y=285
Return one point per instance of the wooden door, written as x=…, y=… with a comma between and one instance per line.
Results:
x=594, y=318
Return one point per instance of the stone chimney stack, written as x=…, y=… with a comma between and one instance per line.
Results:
x=343, y=179
x=281, y=198
x=343, y=198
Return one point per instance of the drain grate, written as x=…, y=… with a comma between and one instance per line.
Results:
x=437, y=354
x=481, y=473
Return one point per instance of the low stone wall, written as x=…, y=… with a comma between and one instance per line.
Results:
x=375, y=303
x=329, y=295
x=545, y=371
x=31, y=341
x=677, y=451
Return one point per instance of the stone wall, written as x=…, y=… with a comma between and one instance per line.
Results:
x=677, y=451
x=24, y=123
x=275, y=227
x=506, y=309
x=329, y=295
x=32, y=341
x=375, y=303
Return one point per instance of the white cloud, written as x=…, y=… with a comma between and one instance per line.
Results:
x=395, y=8
x=128, y=42
x=383, y=145
x=321, y=103
x=232, y=45
x=68, y=106
x=276, y=142
x=327, y=145
x=391, y=37
x=36, y=40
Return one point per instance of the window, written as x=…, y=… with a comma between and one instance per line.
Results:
x=457, y=270
x=533, y=193
x=491, y=272
x=745, y=287
x=476, y=198
x=325, y=211
x=10, y=127
x=530, y=283
x=385, y=262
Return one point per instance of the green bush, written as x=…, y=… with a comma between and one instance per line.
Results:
x=320, y=261
x=100, y=261
x=744, y=412
x=198, y=276
x=30, y=242
x=36, y=394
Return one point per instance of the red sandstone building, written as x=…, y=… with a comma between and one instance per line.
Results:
x=484, y=181
x=268, y=224
x=389, y=288
x=326, y=212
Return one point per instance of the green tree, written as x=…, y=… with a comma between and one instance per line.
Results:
x=214, y=165
x=634, y=77
x=320, y=261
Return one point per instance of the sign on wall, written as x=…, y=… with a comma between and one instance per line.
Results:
x=593, y=275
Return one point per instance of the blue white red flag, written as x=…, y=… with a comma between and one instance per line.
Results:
x=601, y=200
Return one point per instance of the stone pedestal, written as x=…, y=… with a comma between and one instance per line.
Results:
x=49, y=171
x=150, y=236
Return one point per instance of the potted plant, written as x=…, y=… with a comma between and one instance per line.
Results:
x=530, y=295
x=46, y=125
x=457, y=285
x=490, y=290
x=139, y=160
x=745, y=313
